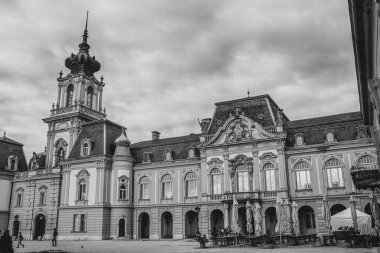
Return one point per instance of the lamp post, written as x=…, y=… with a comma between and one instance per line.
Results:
x=197, y=210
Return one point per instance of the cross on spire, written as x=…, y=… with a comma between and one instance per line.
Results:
x=248, y=92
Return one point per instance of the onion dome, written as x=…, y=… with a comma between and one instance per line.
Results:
x=82, y=62
x=123, y=140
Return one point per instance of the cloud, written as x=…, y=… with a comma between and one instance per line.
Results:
x=167, y=62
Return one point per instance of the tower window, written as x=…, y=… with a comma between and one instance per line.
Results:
x=70, y=95
x=90, y=93
x=85, y=149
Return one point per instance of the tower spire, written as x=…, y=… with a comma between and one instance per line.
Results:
x=85, y=36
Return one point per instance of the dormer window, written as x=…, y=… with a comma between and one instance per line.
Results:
x=13, y=163
x=361, y=132
x=191, y=152
x=330, y=137
x=168, y=156
x=86, y=145
x=147, y=157
x=299, y=139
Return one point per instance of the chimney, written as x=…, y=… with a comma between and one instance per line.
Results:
x=155, y=135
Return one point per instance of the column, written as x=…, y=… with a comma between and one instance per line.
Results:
x=97, y=185
x=63, y=189
x=67, y=188
x=95, y=101
x=59, y=96
x=71, y=142
x=256, y=171
x=226, y=215
x=100, y=99
x=226, y=174
x=51, y=152
x=282, y=169
x=64, y=97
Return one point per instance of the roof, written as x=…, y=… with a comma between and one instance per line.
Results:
x=9, y=147
x=178, y=145
x=102, y=133
x=261, y=109
x=313, y=130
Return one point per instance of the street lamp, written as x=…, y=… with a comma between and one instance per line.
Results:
x=197, y=210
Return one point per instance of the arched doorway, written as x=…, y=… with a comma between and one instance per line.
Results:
x=216, y=220
x=16, y=226
x=122, y=228
x=190, y=224
x=39, y=229
x=166, y=225
x=306, y=219
x=143, y=226
x=270, y=221
x=367, y=210
x=242, y=221
x=337, y=208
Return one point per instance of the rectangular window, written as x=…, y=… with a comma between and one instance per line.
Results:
x=42, y=198
x=167, y=190
x=334, y=177
x=191, y=188
x=217, y=184
x=243, y=182
x=19, y=200
x=145, y=191
x=80, y=223
x=303, y=179
x=270, y=180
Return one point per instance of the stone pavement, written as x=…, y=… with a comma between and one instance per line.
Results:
x=167, y=246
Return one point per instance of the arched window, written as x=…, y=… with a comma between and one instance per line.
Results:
x=12, y=162
x=302, y=170
x=70, y=95
x=334, y=172
x=191, y=184
x=82, y=189
x=367, y=162
x=123, y=183
x=90, y=93
x=330, y=137
x=216, y=181
x=144, y=188
x=270, y=177
x=167, y=186
x=242, y=178
x=85, y=149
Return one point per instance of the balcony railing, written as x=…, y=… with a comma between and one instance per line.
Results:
x=78, y=108
x=241, y=195
x=33, y=173
x=366, y=177
x=271, y=194
x=364, y=168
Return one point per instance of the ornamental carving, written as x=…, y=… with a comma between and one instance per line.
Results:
x=214, y=163
x=292, y=160
x=194, y=170
x=240, y=160
x=238, y=131
x=269, y=156
x=324, y=157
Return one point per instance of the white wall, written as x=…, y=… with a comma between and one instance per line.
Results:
x=5, y=191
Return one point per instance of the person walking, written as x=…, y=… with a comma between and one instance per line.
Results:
x=54, y=240
x=20, y=238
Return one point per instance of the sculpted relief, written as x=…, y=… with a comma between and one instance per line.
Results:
x=238, y=131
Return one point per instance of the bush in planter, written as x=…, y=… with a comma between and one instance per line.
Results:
x=202, y=239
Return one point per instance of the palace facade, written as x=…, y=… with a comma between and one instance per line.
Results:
x=92, y=183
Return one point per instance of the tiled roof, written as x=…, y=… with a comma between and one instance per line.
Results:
x=343, y=125
x=178, y=145
x=100, y=132
x=9, y=147
x=261, y=109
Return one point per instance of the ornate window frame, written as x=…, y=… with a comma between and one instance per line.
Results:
x=213, y=165
x=19, y=197
x=166, y=178
x=308, y=168
x=123, y=181
x=83, y=176
x=144, y=180
x=42, y=195
x=59, y=145
x=245, y=163
x=341, y=166
x=83, y=143
x=189, y=176
x=370, y=165
x=300, y=137
x=13, y=159
x=82, y=218
x=270, y=166
x=147, y=157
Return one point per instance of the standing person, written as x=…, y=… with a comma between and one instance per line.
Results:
x=54, y=240
x=6, y=243
x=20, y=238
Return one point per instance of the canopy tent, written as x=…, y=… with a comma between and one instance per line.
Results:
x=344, y=219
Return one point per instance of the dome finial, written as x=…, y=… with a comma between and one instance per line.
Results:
x=85, y=36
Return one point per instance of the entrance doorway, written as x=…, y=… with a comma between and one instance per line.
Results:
x=270, y=221
x=143, y=225
x=16, y=226
x=166, y=225
x=122, y=228
x=190, y=224
x=306, y=218
x=216, y=220
x=39, y=229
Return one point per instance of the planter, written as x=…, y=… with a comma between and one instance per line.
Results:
x=202, y=245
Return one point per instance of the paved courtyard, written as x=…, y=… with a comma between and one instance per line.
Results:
x=166, y=246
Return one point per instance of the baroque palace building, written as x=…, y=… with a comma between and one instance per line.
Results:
x=92, y=183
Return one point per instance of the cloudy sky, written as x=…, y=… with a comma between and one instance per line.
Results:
x=166, y=62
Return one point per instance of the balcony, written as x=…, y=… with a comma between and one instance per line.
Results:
x=78, y=108
x=366, y=177
x=40, y=172
x=241, y=196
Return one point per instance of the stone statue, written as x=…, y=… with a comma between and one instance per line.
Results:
x=33, y=163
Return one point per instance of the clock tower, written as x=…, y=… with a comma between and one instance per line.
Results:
x=79, y=100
